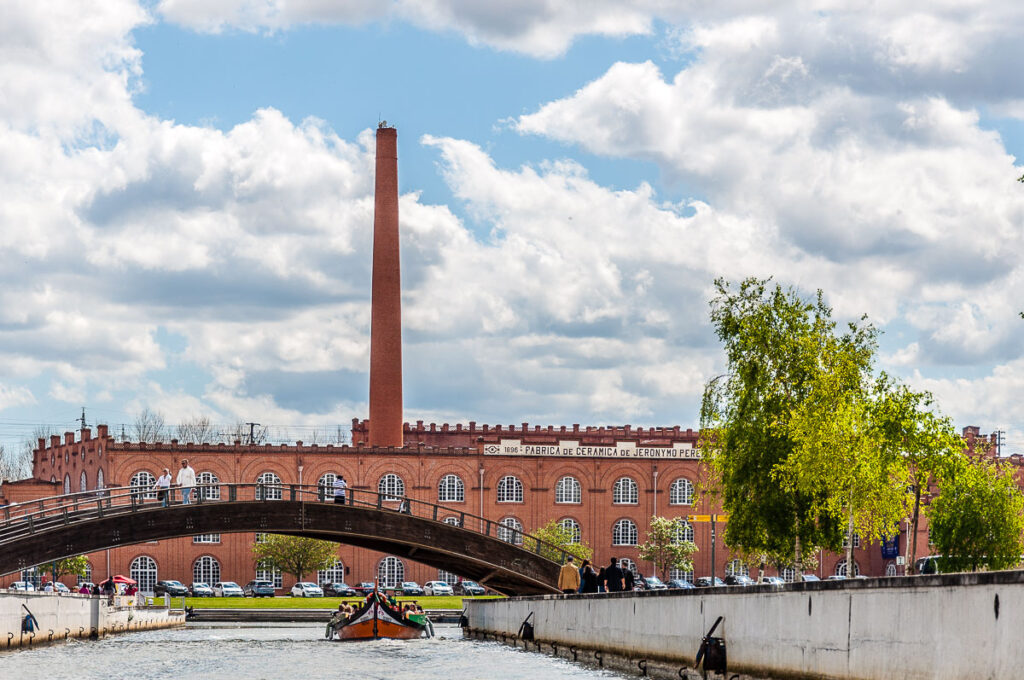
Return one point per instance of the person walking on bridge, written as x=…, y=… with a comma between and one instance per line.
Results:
x=163, y=486
x=569, y=577
x=340, y=486
x=186, y=480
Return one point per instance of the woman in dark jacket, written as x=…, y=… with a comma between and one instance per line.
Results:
x=600, y=580
x=588, y=579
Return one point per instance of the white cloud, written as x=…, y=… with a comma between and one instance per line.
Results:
x=15, y=396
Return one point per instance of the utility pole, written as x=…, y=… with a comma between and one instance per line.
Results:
x=252, y=433
x=82, y=419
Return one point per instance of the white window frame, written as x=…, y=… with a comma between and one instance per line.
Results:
x=325, y=485
x=86, y=577
x=510, y=489
x=273, y=575
x=674, y=574
x=451, y=489
x=510, y=530
x=142, y=482
x=840, y=569
x=206, y=569
x=681, y=492
x=573, y=527
x=333, y=574
x=146, y=572
x=569, y=490
x=208, y=486
x=390, y=572
x=683, y=531
x=737, y=567
x=206, y=539
x=83, y=482
x=624, y=532
x=269, y=487
x=625, y=492
x=392, y=487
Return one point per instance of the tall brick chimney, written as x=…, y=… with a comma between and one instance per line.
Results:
x=386, y=299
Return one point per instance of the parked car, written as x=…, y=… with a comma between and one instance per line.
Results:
x=25, y=586
x=411, y=588
x=201, y=590
x=738, y=580
x=836, y=577
x=925, y=566
x=706, y=582
x=470, y=588
x=339, y=590
x=172, y=588
x=59, y=587
x=227, y=589
x=364, y=588
x=651, y=583
x=811, y=577
x=258, y=588
x=437, y=588
x=307, y=589
x=679, y=584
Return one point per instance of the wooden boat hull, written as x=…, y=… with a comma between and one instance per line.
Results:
x=375, y=621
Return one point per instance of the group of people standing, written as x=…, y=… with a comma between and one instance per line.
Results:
x=186, y=480
x=585, y=579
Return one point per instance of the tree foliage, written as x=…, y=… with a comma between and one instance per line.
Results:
x=772, y=339
x=556, y=535
x=666, y=548
x=977, y=520
x=70, y=566
x=295, y=555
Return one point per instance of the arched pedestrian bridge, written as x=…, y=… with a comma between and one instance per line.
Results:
x=53, y=528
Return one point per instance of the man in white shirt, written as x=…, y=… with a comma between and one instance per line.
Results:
x=339, y=489
x=163, y=486
x=186, y=480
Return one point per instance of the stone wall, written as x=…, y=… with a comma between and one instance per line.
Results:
x=936, y=627
x=75, y=616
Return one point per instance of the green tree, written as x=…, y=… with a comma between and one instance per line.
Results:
x=666, y=548
x=977, y=520
x=554, y=536
x=772, y=339
x=70, y=566
x=926, y=440
x=295, y=555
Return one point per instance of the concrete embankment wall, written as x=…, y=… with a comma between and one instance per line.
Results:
x=930, y=627
x=74, y=616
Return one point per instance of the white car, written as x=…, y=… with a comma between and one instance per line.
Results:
x=306, y=589
x=227, y=589
x=437, y=588
x=61, y=588
x=22, y=585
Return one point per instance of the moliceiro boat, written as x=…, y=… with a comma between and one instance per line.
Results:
x=376, y=618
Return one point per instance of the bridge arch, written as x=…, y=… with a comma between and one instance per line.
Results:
x=80, y=524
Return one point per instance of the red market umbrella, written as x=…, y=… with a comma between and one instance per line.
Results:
x=122, y=579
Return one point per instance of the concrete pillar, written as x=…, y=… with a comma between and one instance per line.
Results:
x=386, y=300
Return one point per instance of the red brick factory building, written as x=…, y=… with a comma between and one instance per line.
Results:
x=604, y=482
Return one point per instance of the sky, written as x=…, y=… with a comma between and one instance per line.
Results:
x=187, y=203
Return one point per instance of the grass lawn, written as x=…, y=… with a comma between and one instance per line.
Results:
x=438, y=602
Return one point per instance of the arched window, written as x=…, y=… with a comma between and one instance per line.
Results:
x=209, y=486
x=454, y=521
x=788, y=574
x=448, y=577
x=269, y=488
x=325, y=486
x=206, y=570
x=83, y=482
x=737, y=568
x=625, y=492
x=451, y=490
x=87, y=576
x=143, y=570
x=681, y=492
x=264, y=573
x=83, y=453
x=390, y=572
x=678, y=574
x=573, y=528
x=624, y=533
x=99, y=478
x=392, y=486
x=683, y=532
x=333, y=574
x=568, y=490
x=142, y=483
x=510, y=489
x=841, y=568
x=510, y=530
x=67, y=484
x=626, y=564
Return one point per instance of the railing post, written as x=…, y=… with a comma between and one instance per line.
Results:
x=291, y=492
x=462, y=520
x=134, y=500
x=65, y=514
x=487, y=527
x=232, y=493
x=435, y=512
x=31, y=525
x=380, y=501
x=99, y=508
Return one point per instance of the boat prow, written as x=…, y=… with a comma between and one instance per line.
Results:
x=376, y=619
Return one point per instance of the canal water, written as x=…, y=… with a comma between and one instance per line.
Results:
x=278, y=651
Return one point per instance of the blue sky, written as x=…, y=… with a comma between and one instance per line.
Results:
x=192, y=200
